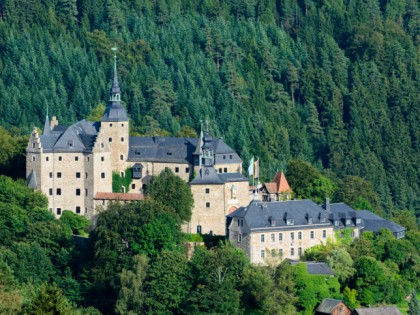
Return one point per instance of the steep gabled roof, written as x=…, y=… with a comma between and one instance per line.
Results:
x=278, y=185
x=381, y=310
x=327, y=306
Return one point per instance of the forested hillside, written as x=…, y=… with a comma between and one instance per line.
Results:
x=332, y=82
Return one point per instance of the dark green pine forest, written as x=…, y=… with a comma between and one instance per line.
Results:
x=331, y=82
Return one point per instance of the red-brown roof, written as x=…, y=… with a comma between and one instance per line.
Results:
x=118, y=196
x=278, y=185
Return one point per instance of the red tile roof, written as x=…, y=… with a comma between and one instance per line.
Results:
x=118, y=196
x=279, y=184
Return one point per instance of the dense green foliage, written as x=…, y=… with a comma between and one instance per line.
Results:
x=118, y=181
x=134, y=262
x=335, y=83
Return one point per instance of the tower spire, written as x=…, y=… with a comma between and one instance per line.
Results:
x=115, y=94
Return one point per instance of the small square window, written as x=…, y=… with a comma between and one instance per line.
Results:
x=273, y=237
x=324, y=233
x=300, y=251
x=77, y=191
x=225, y=170
x=133, y=186
x=122, y=125
x=262, y=238
x=122, y=139
x=187, y=170
x=239, y=238
x=58, y=174
x=110, y=139
x=280, y=236
x=292, y=252
x=102, y=158
x=121, y=157
x=176, y=169
x=299, y=235
x=88, y=159
x=58, y=192
x=230, y=157
x=77, y=209
x=77, y=174
x=102, y=175
x=50, y=191
x=262, y=253
x=76, y=158
x=47, y=158
x=33, y=145
x=220, y=170
x=312, y=234
x=110, y=125
x=207, y=190
x=207, y=204
x=224, y=157
x=102, y=145
x=60, y=159
x=51, y=175
x=33, y=158
x=292, y=236
x=198, y=229
x=58, y=211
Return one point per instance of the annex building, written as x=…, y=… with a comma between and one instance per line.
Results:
x=73, y=167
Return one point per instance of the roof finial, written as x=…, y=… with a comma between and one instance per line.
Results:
x=207, y=125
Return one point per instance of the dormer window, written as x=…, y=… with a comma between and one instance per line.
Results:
x=348, y=221
x=309, y=220
x=290, y=221
x=336, y=222
x=358, y=220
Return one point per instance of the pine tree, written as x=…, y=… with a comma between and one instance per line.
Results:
x=414, y=305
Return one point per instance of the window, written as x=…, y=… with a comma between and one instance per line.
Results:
x=110, y=125
x=86, y=192
x=76, y=158
x=58, y=193
x=50, y=191
x=102, y=175
x=309, y=220
x=51, y=210
x=273, y=253
x=198, y=229
x=292, y=236
x=337, y=222
x=122, y=174
x=122, y=125
x=60, y=159
x=47, y=158
x=207, y=204
x=122, y=139
x=358, y=221
x=77, y=191
x=225, y=170
x=33, y=158
x=322, y=220
x=88, y=159
x=273, y=238
x=262, y=238
x=324, y=233
x=292, y=252
x=86, y=175
x=348, y=221
x=290, y=221
x=239, y=238
x=109, y=139
x=280, y=237
x=352, y=234
x=121, y=157
x=262, y=253
x=85, y=210
x=133, y=186
x=58, y=211
x=77, y=209
x=102, y=158
x=51, y=175
x=281, y=252
x=312, y=234
x=176, y=169
x=220, y=170
x=187, y=170
x=300, y=251
x=102, y=145
x=58, y=174
x=224, y=157
x=77, y=174
x=299, y=235
x=33, y=145
x=239, y=222
x=230, y=157
x=207, y=190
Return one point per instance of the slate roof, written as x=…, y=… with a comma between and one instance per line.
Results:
x=208, y=176
x=374, y=223
x=174, y=150
x=79, y=137
x=327, y=306
x=318, y=268
x=381, y=310
x=115, y=112
x=273, y=215
x=32, y=181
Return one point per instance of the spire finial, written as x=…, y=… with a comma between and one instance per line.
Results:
x=114, y=49
x=207, y=125
x=115, y=89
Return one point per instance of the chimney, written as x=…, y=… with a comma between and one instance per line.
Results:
x=54, y=122
x=327, y=204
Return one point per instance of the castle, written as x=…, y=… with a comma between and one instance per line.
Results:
x=73, y=166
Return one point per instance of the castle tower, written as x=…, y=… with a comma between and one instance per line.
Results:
x=115, y=126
